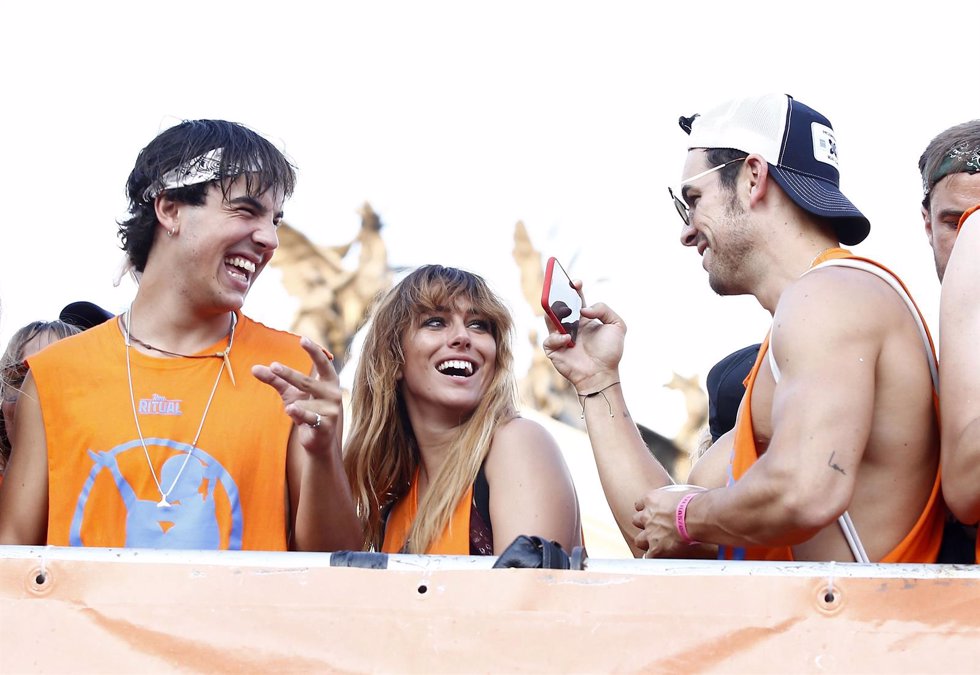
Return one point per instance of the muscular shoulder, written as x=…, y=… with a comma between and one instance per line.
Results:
x=836, y=303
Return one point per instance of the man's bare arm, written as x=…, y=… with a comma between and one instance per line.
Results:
x=959, y=372
x=827, y=350
x=626, y=468
x=24, y=492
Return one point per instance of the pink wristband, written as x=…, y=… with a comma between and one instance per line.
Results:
x=680, y=519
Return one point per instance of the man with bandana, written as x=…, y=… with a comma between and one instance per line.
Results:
x=950, y=168
x=182, y=423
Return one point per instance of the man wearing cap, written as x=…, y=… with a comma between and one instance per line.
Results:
x=835, y=452
x=950, y=169
x=183, y=423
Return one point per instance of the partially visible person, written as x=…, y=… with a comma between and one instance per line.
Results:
x=950, y=172
x=183, y=423
x=726, y=387
x=438, y=457
x=959, y=331
x=950, y=184
x=24, y=343
x=835, y=451
x=84, y=314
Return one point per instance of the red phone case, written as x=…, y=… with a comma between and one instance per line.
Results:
x=546, y=294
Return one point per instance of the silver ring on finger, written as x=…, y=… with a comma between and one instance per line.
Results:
x=316, y=425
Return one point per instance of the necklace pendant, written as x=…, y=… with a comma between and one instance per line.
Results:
x=163, y=503
x=227, y=365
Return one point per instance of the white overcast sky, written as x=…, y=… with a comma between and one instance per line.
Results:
x=457, y=119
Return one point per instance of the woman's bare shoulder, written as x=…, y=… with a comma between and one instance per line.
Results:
x=522, y=441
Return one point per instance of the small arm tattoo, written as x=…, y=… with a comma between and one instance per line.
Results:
x=832, y=465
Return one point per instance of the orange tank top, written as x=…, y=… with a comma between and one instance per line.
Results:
x=455, y=538
x=922, y=542
x=228, y=492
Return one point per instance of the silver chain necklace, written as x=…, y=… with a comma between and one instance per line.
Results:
x=132, y=400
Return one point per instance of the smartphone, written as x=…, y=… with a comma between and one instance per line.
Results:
x=559, y=299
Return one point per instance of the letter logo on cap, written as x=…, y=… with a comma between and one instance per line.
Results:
x=824, y=144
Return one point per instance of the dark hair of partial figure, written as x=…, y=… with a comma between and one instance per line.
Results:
x=241, y=147
x=13, y=370
x=940, y=151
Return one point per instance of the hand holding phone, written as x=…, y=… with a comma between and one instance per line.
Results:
x=560, y=301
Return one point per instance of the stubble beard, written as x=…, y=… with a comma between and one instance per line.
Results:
x=726, y=274
x=941, y=263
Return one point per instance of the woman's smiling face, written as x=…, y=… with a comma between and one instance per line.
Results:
x=450, y=360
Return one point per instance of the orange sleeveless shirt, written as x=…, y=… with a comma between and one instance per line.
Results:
x=455, y=538
x=922, y=542
x=231, y=490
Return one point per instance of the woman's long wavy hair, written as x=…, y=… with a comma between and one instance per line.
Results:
x=381, y=455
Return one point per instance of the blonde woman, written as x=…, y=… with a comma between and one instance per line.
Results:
x=438, y=458
x=26, y=342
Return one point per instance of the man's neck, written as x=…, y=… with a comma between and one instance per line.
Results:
x=170, y=325
x=789, y=258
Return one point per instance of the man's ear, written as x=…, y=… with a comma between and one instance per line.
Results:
x=758, y=177
x=167, y=212
x=927, y=219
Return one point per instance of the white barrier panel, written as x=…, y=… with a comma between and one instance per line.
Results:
x=113, y=611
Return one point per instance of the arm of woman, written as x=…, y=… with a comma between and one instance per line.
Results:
x=24, y=496
x=531, y=489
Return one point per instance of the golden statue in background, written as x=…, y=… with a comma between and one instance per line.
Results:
x=688, y=438
x=544, y=389
x=334, y=300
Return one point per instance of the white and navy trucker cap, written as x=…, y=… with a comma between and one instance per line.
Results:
x=799, y=145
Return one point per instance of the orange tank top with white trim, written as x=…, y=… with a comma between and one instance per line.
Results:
x=922, y=542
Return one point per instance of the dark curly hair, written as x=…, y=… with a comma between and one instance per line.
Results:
x=240, y=146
